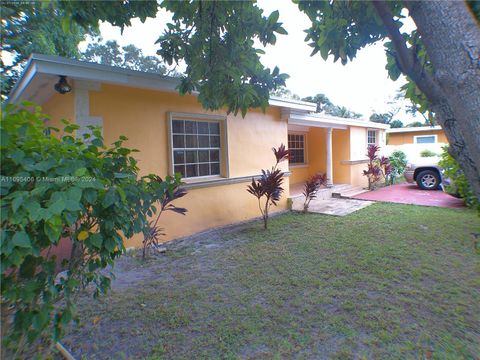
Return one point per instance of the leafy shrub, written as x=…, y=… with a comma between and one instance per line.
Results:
x=459, y=183
x=269, y=185
x=398, y=162
x=377, y=167
x=427, y=153
x=54, y=187
x=163, y=192
x=311, y=187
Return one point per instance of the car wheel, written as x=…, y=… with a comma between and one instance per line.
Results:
x=428, y=180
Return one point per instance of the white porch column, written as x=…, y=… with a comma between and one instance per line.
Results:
x=329, y=158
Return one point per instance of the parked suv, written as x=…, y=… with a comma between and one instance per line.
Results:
x=428, y=176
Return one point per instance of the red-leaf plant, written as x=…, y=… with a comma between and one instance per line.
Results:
x=311, y=187
x=385, y=167
x=164, y=193
x=269, y=185
x=377, y=167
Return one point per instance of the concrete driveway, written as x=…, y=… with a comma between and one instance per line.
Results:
x=406, y=193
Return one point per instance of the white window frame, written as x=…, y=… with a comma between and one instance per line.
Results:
x=223, y=161
x=305, y=152
x=376, y=137
x=415, y=138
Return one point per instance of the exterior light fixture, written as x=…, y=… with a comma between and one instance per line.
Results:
x=62, y=86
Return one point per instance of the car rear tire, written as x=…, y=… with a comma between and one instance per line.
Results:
x=428, y=180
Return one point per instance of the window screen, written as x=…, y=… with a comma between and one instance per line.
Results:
x=196, y=147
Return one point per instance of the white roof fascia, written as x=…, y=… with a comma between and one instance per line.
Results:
x=319, y=120
x=414, y=129
x=56, y=65
x=142, y=80
x=292, y=104
x=21, y=85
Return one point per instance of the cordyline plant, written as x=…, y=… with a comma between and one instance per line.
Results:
x=311, y=187
x=55, y=186
x=378, y=167
x=269, y=185
x=163, y=192
x=385, y=168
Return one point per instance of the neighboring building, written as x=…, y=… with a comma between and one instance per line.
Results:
x=412, y=140
x=217, y=153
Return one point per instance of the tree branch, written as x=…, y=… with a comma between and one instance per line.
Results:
x=406, y=59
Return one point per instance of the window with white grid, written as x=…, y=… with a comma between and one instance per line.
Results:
x=296, y=147
x=371, y=137
x=196, y=147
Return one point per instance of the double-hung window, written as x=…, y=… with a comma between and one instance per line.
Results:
x=296, y=147
x=196, y=146
x=372, y=137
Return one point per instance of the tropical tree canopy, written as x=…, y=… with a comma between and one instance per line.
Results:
x=33, y=27
x=129, y=57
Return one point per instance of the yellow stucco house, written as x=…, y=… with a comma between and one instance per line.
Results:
x=217, y=154
x=413, y=140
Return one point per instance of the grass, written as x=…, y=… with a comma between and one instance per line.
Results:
x=387, y=282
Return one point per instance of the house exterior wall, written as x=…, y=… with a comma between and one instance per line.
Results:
x=60, y=107
x=340, y=152
x=408, y=137
x=349, y=149
x=142, y=116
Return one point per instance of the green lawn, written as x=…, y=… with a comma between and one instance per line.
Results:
x=388, y=282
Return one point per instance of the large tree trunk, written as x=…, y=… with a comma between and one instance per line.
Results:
x=451, y=36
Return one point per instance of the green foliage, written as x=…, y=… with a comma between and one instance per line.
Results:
x=324, y=104
x=427, y=153
x=129, y=57
x=284, y=93
x=395, y=124
x=216, y=40
x=416, y=124
x=116, y=12
x=52, y=186
x=163, y=192
x=459, y=185
x=398, y=163
x=33, y=27
x=385, y=118
x=341, y=28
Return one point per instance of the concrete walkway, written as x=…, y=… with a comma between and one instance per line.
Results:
x=332, y=206
x=406, y=193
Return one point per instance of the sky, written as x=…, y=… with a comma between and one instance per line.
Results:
x=362, y=85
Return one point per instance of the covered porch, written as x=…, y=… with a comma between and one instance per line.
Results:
x=317, y=145
x=331, y=145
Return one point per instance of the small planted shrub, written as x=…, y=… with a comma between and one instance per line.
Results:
x=427, y=153
x=373, y=172
x=386, y=169
x=163, y=192
x=269, y=186
x=311, y=187
x=398, y=163
x=459, y=186
x=378, y=167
